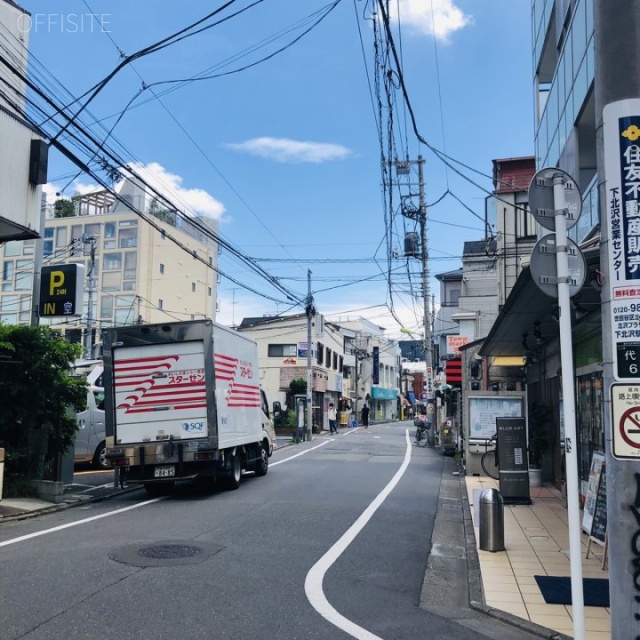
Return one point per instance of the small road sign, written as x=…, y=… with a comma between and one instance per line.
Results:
x=625, y=410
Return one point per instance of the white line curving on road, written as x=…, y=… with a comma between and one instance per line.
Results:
x=315, y=577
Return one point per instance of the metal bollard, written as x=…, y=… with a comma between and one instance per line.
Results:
x=491, y=520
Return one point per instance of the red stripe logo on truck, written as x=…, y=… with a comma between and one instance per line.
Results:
x=152, y=385
x=237, y=394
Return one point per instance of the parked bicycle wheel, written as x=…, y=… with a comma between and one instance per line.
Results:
x=489, y=464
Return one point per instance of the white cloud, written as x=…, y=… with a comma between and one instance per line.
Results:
x=194, y=201
x=439, y=18
x=292, y=151
x=191, y=201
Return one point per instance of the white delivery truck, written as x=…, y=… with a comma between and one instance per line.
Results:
x=183, y=401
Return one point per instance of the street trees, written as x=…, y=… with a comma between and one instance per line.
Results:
x=36, y=393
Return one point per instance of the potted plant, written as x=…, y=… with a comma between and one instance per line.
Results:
x=539, y=422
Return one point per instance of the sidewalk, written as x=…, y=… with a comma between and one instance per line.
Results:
x=536, y=540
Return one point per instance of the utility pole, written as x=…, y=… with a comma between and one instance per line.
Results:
x=310, y=313
x=38, y=259
x=409, y=211
x=617, y=111
x=88, y=344
x=426, y=300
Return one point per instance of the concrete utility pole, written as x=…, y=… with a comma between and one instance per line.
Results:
x=310, y=314
x=402, y=168
x=88, y=344
x=426, y=300
x=617, y=100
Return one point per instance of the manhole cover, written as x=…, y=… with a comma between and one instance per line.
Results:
x=165, y=553
x=168, y=551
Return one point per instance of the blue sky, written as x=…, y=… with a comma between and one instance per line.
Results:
x=286, y=154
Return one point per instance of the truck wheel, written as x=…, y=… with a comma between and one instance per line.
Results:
x=100, y=457
x=234, y=475
x=157, y=489
x=262, y=463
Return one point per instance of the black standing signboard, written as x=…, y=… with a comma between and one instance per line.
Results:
x=512, y=458
x=599, y=524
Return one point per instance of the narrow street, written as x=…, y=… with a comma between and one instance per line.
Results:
x=334, y=542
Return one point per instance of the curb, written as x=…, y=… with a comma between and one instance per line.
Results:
x=476, y=595
x=61, y=506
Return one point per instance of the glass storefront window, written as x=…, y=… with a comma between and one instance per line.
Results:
x=590, y=420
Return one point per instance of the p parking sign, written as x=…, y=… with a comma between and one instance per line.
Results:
x=61, y=290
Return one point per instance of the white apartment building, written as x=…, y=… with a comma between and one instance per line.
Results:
x=282, y=358
x=135, y=272
x=373, y=363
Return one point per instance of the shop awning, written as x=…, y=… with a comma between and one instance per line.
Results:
x=530, y=316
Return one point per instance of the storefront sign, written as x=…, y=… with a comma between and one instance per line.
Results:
x=454, y=343
x=622, y=199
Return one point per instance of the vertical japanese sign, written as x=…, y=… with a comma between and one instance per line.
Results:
x=622, y=167
x=376, y=365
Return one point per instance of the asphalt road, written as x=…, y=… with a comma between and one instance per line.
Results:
x=333, y=543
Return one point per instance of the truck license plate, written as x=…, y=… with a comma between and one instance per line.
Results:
x=164, y=472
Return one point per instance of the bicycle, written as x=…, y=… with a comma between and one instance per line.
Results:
x=423, y=437
x=490, y=461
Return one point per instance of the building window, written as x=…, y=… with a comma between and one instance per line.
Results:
x=106, y=307
x=282, y=351
x=109, y=229
x=193, y=287
x=130, y=261
x=335, y=360
x=7, y=270
x=454, y=296
x=209, y=291
x=128, y=238
x=61, y=236
x=112, y=262
x=328, y=357
x=160, y=304
x=161, y=268
x=320, y=352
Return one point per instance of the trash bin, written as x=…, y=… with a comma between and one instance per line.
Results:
x=491, y=520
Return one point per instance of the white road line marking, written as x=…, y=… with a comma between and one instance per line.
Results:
x=315, y=577
x=273, y=464
x=6, y=543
